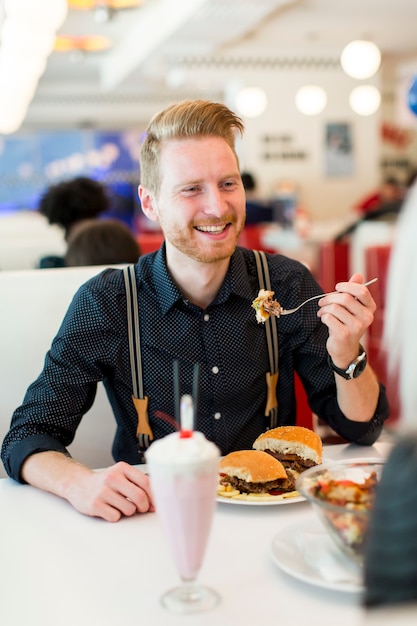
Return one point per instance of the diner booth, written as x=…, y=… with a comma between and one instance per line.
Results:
x=34, y=304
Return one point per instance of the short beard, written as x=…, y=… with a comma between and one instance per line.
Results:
x=189, y=248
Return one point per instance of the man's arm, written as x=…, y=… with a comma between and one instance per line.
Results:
x=109, y=493
x=347, y=314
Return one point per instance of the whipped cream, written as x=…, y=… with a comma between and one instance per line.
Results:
x=179, y=455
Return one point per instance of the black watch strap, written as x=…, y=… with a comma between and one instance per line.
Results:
x=355, y=368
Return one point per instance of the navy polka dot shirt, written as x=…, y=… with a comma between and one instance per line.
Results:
x=225, y=339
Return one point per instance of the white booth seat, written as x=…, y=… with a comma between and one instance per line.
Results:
x=25, y=238
x=25, y=252
x=24, y=224
x=33, y=305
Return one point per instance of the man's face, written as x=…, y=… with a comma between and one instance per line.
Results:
x=201, y=203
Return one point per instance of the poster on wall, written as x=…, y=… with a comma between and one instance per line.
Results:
x=29, y=164
x=338, y=150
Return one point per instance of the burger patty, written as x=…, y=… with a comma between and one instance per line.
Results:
x=292, y=461
x=284, y=484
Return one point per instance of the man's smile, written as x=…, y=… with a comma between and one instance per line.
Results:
x=212, y=229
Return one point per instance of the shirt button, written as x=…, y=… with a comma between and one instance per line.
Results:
x=217, y=416
x=215, y=369
x=206, y=317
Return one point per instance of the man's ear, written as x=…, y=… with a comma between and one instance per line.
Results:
x=147, y=204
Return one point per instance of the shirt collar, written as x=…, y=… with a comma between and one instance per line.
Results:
x=236, y=281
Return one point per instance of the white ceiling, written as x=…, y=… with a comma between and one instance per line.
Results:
x=154, y=45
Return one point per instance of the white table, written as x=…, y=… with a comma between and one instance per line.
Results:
x=60, y=567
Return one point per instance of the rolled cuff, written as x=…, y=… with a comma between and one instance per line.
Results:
x=25, y=448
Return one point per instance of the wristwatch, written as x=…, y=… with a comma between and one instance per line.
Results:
x=353, y=370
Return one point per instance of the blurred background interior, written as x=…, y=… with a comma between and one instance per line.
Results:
x=331, y=133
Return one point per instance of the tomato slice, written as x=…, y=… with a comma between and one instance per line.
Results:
x=275, y=492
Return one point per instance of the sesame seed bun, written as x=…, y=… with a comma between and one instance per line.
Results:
x=252, y=466
x=303, y=442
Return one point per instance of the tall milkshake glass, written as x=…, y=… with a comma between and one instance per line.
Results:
x=183, y=469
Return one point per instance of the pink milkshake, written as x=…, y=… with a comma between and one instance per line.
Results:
x=183, y=469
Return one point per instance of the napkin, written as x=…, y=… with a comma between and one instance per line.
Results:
x=322, y=554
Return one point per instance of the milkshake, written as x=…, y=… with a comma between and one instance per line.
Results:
x=183, y=469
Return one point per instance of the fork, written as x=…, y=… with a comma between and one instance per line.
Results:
x=288, y=311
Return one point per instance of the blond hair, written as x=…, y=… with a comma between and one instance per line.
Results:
x=182, y=120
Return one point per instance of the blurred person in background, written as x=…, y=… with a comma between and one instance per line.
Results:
x=67, y=204
x=391, y=560
x=390, y=190
x=386, y=210
x=257, y=210
x=101, y=242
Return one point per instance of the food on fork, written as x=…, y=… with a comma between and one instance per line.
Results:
x=296, y=447
x=265, y=306
x=252, y=472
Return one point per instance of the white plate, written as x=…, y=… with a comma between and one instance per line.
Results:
x=261, y=502
x=288, y=556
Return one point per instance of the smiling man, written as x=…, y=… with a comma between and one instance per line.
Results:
x=194, y=307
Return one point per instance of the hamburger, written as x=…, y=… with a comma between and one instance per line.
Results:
x=297, y=448
x=253, y=471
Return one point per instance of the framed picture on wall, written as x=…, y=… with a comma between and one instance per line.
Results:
x=338, y=149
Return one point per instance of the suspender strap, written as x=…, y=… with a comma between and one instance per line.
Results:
x=143, y=432
x=271, y=408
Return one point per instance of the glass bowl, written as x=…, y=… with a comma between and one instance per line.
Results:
x=342, y=493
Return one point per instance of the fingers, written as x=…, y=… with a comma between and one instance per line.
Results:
x=355, y=288
x=347, y=314
x=351, y=295
x=132, y=486
x=345, y=306
x=119, y=490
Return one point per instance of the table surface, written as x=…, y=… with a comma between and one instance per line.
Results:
x=61, y=567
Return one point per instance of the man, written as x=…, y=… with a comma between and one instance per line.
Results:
x=194, y=297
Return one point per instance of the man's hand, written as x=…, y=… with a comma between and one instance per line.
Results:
x=111, y=493
x=347, y=314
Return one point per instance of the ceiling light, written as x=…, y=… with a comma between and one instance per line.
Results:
x=365, y=100
x=251, y=102
x=27, y=38
x=360, y=59
x=311, y=99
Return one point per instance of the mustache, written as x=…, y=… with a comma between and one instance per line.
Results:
x=216, y=221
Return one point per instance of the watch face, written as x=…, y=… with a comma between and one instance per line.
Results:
x=359, y=367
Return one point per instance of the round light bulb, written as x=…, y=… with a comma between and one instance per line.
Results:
x=251, y=102
x=365, y=100
x=360, y=59
x=310, y=99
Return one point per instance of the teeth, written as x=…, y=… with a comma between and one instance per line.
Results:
x=211, y=229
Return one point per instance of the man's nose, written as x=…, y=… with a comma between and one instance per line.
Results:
x=216, y=203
